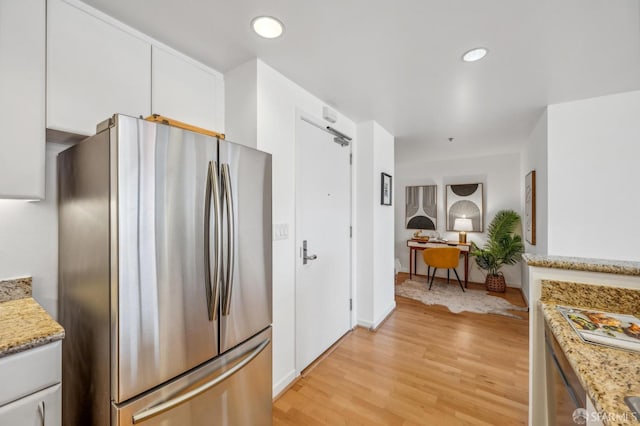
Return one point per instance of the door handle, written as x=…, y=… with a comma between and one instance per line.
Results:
x=305, y=256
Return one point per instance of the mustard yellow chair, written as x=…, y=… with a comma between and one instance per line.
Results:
x=442, y=257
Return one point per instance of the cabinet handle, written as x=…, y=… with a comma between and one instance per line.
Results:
x=41, y=409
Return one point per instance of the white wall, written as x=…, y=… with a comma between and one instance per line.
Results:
x=383, y=227
x=500, y=175
x=534, y=157
x=278, y=100
x=593, y=152
x=29, y=238
x=374, y=231
x=363, y=200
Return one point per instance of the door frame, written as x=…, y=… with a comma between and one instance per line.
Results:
x=310, y=118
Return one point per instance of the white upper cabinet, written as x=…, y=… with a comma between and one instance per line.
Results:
x=186, y=91
x=94, y=69
x=22, y=94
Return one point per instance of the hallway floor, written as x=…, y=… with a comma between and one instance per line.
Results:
x=423, y=366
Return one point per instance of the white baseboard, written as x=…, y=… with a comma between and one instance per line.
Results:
x=364, y=324
x=384, y=316
x=281, y=384
x=525, y=296
x=372, y=325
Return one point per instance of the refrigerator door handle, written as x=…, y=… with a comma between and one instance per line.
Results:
x=217, y=266
x=213, y=288
x=207, y=242
x=174, y=402
x=228, y=199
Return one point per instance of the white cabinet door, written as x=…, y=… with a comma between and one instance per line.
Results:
x=40, y=408
x=184, y=91
x=93, y=70
x=30, y=371
x=22, y=92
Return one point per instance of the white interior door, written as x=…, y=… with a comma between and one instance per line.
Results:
x=323, y=218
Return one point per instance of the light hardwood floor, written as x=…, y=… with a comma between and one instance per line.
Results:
x=423, y=366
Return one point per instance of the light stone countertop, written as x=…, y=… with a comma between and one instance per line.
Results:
x=619, y=267
x=24, y=324
x=607, y=374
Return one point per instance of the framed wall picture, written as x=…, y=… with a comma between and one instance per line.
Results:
x=465, y=201
x=421, y=207
x=386, y=190
x=530, y=207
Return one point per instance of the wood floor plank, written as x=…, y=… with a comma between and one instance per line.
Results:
x=423, y=366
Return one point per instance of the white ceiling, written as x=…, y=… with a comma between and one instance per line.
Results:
x=398, y=62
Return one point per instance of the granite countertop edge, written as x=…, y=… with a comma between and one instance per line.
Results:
x=24, y=325
x=576, y=352
x=619, y=267
x=31, y=344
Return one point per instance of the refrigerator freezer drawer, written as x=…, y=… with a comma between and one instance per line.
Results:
x=234, y=389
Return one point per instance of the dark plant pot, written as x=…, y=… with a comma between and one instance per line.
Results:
x=496, y=283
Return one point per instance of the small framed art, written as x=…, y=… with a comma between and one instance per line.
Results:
x=386, y=189
x=530, y=207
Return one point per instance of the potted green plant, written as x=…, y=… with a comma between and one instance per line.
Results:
x=503, y=247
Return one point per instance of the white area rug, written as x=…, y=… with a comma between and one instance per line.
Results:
x=451, y=296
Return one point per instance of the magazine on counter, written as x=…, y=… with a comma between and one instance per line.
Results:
x=604, y=328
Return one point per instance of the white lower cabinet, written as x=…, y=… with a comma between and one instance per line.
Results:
x=39, y=409
x=30, y=387
x=593, y=419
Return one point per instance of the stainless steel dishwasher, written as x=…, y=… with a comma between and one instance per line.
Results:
x=565, y=394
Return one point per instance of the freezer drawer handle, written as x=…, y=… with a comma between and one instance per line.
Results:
x=172, y=403
x=231, y=231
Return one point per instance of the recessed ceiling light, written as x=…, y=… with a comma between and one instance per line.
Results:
x=267, y=26
x=475, y=54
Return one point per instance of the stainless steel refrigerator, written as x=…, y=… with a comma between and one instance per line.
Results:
x=164, y=278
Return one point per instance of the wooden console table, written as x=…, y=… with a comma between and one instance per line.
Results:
x=416, y=245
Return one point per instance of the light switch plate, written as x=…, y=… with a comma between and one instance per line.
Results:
x=280, y=231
